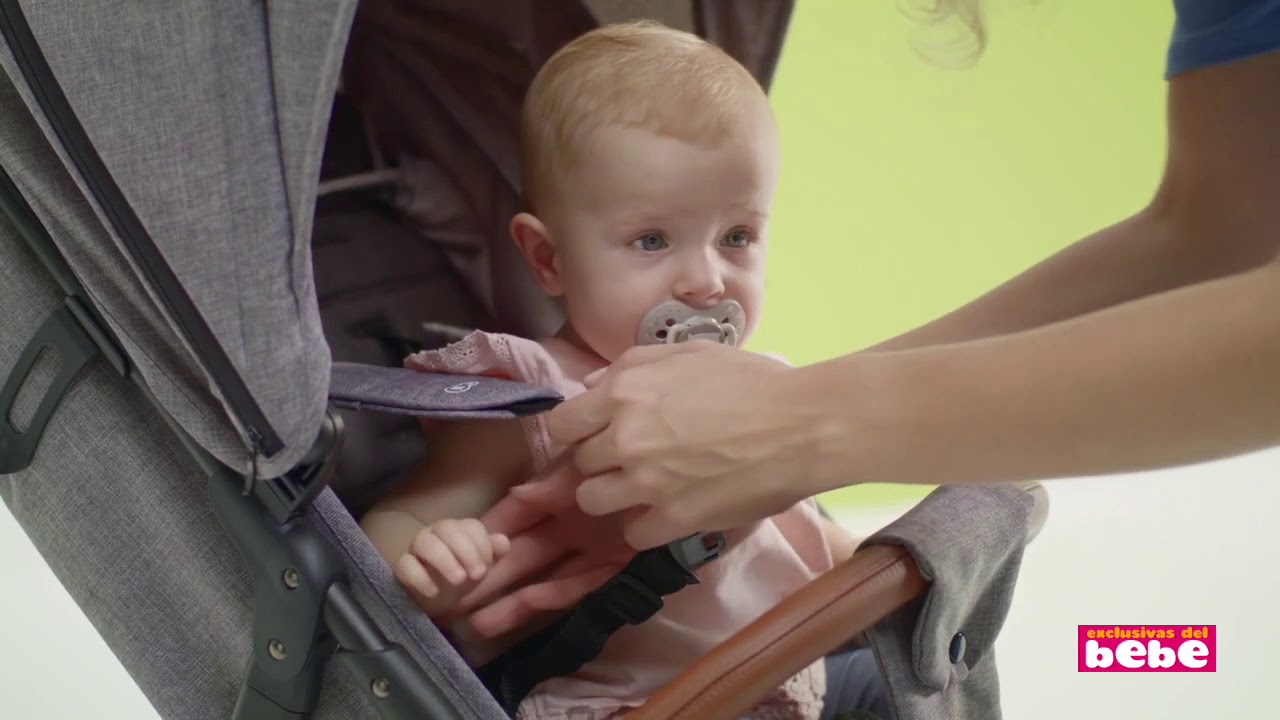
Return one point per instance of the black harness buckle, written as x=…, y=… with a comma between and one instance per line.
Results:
x=696, y=550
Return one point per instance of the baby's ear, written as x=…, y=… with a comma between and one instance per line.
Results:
x=539, y=251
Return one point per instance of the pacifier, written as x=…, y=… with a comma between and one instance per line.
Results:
x=674, y=322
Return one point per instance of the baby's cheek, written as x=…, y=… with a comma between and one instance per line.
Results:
x=610, y=332
x=623, y=333
x=616, y=318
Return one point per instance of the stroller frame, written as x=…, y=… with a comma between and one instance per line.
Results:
x=304, y=613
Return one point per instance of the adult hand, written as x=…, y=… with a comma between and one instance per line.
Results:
x=691, y=437
x=565, y=552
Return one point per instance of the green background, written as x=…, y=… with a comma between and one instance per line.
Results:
x=911, y=185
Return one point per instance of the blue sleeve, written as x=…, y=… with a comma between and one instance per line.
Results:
x=1213, y=32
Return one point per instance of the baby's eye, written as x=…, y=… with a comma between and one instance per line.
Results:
x=650, y=242
x=738, y=238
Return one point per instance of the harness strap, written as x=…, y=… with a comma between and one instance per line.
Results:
x=631, y=597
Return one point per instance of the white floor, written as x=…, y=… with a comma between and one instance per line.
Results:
x=1195, y=545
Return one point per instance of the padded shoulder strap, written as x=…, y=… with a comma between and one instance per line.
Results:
x=440, y=396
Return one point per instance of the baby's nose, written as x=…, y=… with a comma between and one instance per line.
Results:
x=700, y=284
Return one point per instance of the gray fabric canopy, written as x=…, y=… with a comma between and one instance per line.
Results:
x=211, y=119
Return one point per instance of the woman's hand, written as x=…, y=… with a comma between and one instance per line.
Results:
x=676, y=439
x=692, y=437
x=558, y=554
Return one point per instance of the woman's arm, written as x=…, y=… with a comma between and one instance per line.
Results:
x=1184, y=376
x=1214, y=214
x=1166, y=246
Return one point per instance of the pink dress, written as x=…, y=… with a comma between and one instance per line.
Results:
x=764, y=564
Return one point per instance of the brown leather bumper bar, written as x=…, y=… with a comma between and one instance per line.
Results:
x=813, y=622
x=819, y=619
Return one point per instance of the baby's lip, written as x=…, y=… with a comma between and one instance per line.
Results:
x=724, y=322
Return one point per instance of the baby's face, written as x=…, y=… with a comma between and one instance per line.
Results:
x=652, y=218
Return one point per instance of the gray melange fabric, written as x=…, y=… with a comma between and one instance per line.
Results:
x=968, y=542
x=434, y=395
x=211, y=118
x=120, y=513
x=147, y=338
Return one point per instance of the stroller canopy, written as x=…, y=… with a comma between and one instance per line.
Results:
x=177, y=170
x=209, y=122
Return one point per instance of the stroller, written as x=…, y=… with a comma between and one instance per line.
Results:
x=210, y=271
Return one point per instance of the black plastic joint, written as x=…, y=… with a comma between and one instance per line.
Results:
x=62, y=334
x=292, y=567
x=397, y=687
x=288, y=496
x=696, y=550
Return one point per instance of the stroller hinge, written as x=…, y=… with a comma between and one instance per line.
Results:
x=396, y=684
x=303, y=610
x=292, y=567
x=67, y=340
x=288, y=496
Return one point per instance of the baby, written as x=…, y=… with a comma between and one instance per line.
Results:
x=649, y=167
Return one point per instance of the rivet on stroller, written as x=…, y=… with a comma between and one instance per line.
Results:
x=199, y=360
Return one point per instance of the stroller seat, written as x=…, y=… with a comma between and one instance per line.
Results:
x=179, y=306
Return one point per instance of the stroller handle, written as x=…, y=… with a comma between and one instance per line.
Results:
x=810, y=624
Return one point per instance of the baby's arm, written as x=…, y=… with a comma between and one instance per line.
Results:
x=426, y=528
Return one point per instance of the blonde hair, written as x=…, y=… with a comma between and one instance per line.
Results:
x=635, y=74
x=970, y=44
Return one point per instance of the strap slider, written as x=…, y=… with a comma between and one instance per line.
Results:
x=696, y=550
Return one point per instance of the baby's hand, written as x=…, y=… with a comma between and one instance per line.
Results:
x=446, y=559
